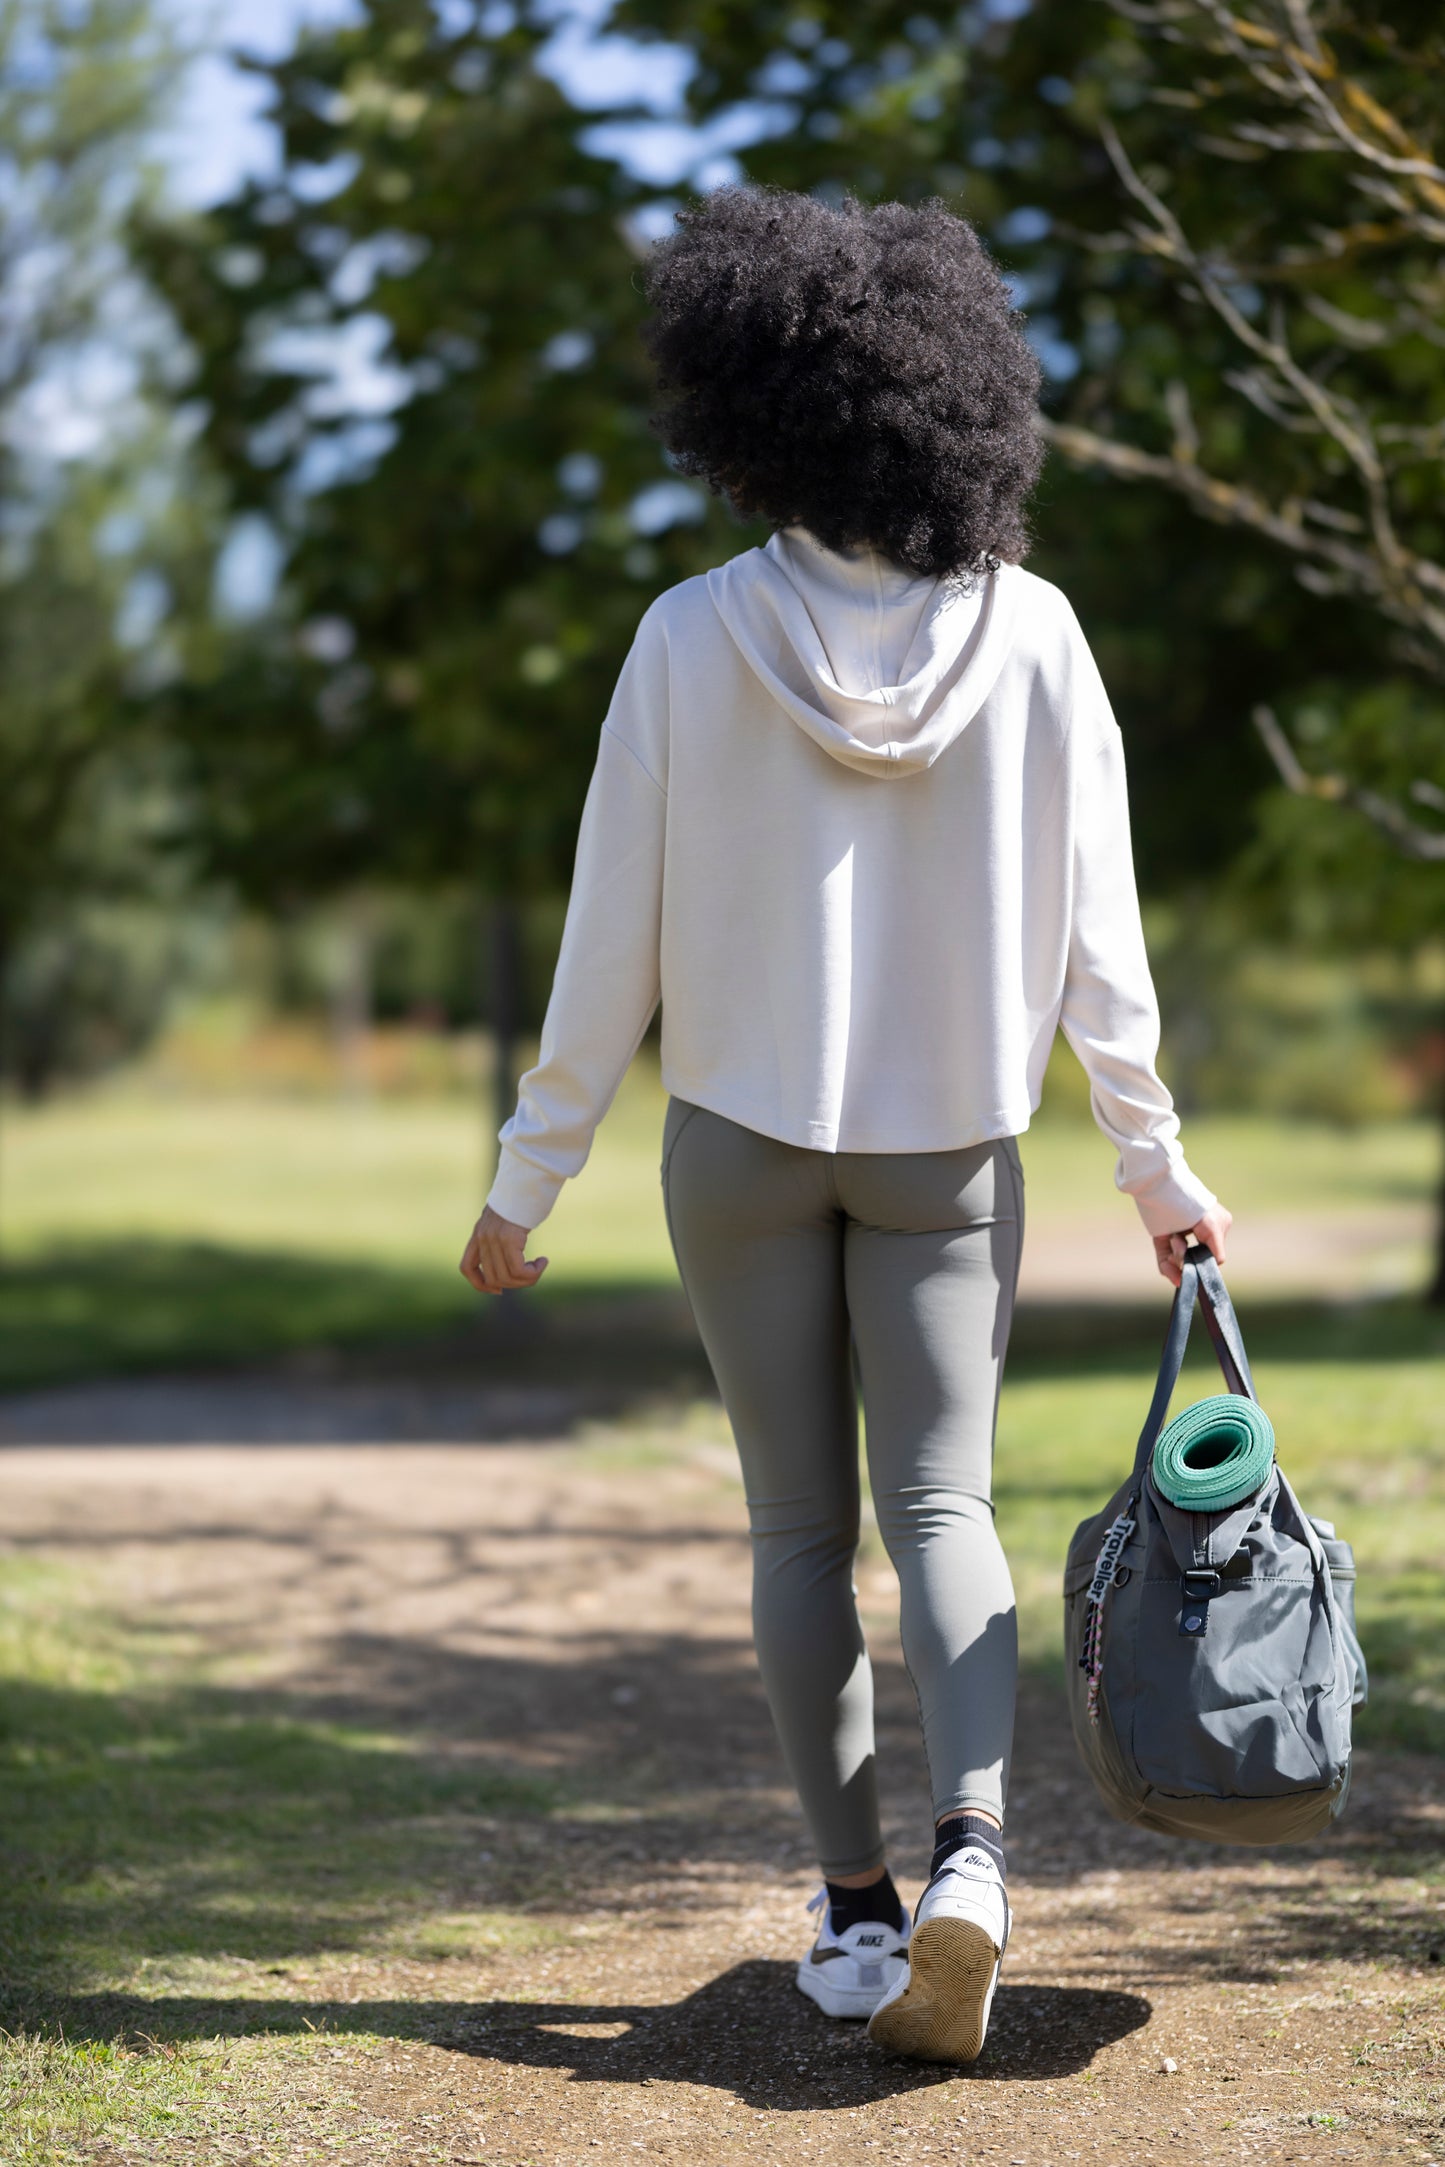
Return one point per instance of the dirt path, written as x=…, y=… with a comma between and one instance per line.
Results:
x=567, y=1610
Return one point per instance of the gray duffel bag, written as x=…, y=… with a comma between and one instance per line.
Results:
x=1211, y=1656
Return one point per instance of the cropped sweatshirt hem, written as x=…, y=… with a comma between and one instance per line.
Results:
x=525, y=1192
x=824, y=1135
x=864, y=835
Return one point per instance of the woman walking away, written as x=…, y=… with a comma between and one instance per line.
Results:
x=859, y=821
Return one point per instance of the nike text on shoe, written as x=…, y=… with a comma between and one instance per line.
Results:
x=938, y=2009
x=848, y=1974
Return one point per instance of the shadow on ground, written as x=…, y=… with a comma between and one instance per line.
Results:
x=747, y=2032
x=414, y=1784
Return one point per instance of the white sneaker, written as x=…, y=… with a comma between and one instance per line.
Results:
x=848, y=1974
x=938, y=2010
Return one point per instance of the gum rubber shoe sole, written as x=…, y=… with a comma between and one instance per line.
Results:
x=942, y=2013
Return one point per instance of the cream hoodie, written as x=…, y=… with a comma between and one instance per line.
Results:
x=866, y=836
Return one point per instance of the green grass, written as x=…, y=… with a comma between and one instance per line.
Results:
x=156, y=1818
x=105, y=1307
x=61, y=2099
x=139, y=1232
x=168, y=1836
x=391, y=1182
x=1257, y=1164
x=270, y=2101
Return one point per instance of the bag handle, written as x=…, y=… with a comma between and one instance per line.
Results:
x=1199, y=1278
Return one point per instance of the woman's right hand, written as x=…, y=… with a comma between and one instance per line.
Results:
x=1211, y=1229
x=496, y=1256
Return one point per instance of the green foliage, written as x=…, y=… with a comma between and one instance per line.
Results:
x=1328, y=876
x=466, y=570
x=58, y=665
x=1283, y=1029
x=79, y=793
x=78, y=87
x=89, y=986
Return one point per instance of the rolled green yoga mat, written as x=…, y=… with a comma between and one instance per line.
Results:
x=1215, y=1454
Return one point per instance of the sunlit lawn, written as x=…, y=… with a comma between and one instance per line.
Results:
x=399, y=1181
x=138, y=1233
x=143, y=1232
x=392, y=1182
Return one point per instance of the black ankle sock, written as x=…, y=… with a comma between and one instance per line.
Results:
x=858, y=1907
x=964, y=1829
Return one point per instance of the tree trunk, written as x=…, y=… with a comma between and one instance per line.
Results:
x=4, y=1056
x=1435, y=1293
x=351, y=995
x=5, y=1067
x=504, y=977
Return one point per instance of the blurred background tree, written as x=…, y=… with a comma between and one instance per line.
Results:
x=84, y=514
x=417, y=350
x=1308, y=407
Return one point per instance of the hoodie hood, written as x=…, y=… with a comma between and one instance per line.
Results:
x=881, y=666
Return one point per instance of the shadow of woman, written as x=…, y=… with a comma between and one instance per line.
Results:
x=747, y=2032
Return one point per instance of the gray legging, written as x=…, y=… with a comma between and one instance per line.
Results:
x=784, y=1254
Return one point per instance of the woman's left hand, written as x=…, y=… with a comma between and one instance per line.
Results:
x=1211, y=1229
x=496, y=1256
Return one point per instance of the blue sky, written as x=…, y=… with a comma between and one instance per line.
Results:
x=218, y=133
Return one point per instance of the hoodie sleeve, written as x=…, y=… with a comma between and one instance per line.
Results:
x=607, y=981
x=1110, y=1015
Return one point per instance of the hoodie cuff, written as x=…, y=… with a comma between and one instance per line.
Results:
x=1174, y=1201
x=523, y=1192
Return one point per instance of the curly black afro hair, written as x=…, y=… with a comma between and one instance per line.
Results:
x=859, y=371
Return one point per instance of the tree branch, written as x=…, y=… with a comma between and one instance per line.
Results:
x=1397, y=590
x=1408, y=837
x=1338, y=418
x=1311, y=66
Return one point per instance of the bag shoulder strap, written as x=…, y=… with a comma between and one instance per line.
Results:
x=1200, y=1281
x=1222, y=1324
